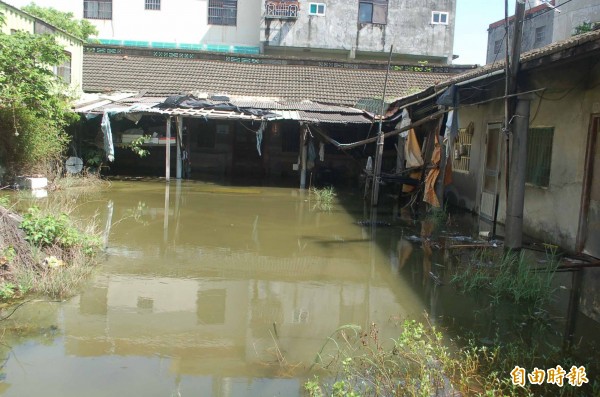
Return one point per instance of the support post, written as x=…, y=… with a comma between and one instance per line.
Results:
x=377, y=169
x=168, y=151
x=400, y=158
x=303, y=154
x=380, y=138
x=178, y=140
x=516, y=192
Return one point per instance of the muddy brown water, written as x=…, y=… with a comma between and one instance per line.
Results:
x=210, y=290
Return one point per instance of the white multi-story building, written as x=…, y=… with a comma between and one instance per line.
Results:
x=418, y=30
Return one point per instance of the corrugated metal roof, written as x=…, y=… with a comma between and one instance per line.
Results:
x=335, y=118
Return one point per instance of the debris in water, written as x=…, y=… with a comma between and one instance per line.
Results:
x=376, y=223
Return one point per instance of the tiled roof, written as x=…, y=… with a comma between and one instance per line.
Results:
x=294, y=83
x=560, y=50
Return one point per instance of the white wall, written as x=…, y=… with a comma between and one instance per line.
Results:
x=178, y=21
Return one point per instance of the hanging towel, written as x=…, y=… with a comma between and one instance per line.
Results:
x=412, y=151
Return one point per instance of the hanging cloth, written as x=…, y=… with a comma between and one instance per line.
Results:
x=412, y=151
x=259, y=136
x=405, y=122
x=429, y=196
x=109, y=148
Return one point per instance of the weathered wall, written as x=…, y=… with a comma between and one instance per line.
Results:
x=542, y=19
x=574, y=14
x=550, y=214
x=408, y=29
x=557, y=26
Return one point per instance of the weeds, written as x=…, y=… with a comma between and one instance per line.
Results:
x=509, y=275
x=324, y=197
x=420, y=363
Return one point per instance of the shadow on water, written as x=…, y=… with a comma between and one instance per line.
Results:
x=209, y=289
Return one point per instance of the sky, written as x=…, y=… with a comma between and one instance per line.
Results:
x=472, y=20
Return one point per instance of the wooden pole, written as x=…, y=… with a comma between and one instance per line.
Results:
x=380, y=138
x=178, y=145
x=516, y=193
x=168, y=151
x=303, y=154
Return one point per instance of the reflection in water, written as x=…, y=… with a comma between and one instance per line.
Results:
x=231, y=291
x=203, y=293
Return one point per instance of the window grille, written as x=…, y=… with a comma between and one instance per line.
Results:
x=97, y=9
x=222, y=12
x=540, y=35
x=497, y=46
x=462, y=150
x=152, y=5
x=64, y=70
x=539, y=156
x=373, y=11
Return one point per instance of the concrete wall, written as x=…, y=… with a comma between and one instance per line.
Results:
x=550, y=214
x=17, y=20
x=542, y=19
x=573, y=14
x=181, y=21
x=408, y=29
x=557, y=26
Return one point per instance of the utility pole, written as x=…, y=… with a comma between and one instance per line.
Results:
x=380, y=139
x=518, y=142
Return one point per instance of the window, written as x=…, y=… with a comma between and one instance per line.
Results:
x=152, y=5
x=97, y=9
x=373, y=11
x=40, y=27
x=497, y=46
x=64, y=70
x=439, y=18
x=222, y=12
x=539, y=156
x=540, y=35
x=316, y=9
x=462, y=149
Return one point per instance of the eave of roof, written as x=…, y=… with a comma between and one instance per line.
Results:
x=580, y=45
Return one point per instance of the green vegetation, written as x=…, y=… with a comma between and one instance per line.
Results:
x=64, y=20
x=324, y=195
x=509, y=275
x=45, y=253
x=584, y=28
x=420, y=363
x=35, y=105
x=136, y=145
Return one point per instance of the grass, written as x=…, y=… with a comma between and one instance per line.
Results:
x=45, y=250
x=420, y=362
x=324, y=197
x=509, y=275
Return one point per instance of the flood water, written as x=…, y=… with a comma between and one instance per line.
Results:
x=210, y=290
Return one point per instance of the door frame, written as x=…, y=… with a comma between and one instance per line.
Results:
x=593, y=132
x=498, y=174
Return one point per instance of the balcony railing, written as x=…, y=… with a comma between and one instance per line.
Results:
x=281, y=9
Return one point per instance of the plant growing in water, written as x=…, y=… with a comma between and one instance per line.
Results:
x=510, y=275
